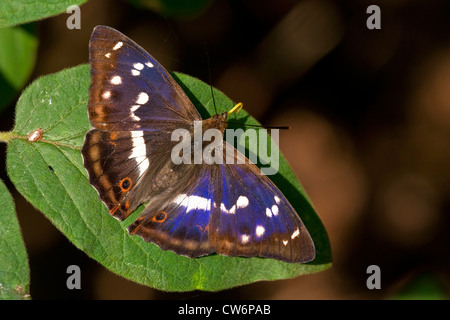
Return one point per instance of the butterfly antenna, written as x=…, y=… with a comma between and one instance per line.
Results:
x=238, y=107
x=209, y=77
x=260, y=126
x=214, y=100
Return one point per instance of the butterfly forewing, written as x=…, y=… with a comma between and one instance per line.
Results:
x=129, y=89
x=134, y=105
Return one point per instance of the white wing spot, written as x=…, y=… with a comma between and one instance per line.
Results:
x=242, y=202
x=193, y=202
x=285, y=242
x=259, y=231
x=295, y=234
x=275, y=210
x=277, y=200
x=106, y=94
x=133, y=109
x=269, y=212
x=225, y=210
x=135, y=72
x=138, y=66
x=139, y=151
x=108, y=55
x=149, y=64
x=245, y=238
x=118, y=45
x=116, y=80
x=142, y=98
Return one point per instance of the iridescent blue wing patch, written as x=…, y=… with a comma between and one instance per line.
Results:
x=180, y=222
x=254, y=218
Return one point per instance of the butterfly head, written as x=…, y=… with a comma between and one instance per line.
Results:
x=217, y=121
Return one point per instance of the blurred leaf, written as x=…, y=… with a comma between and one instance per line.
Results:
x=18, y=49
x=426, y=286
x=174, y=8
x=14, y=12
x=57, y=103
x=14, y=271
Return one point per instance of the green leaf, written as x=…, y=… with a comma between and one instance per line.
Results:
x=14, y=271
x=57, y=104
x=18, y=49
x=14, y=12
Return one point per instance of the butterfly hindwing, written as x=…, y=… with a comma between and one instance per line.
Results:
x=120, y=164
x=180, y=223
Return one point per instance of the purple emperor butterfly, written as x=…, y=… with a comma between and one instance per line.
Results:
x=193, y=209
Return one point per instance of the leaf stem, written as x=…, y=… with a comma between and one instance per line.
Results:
x=6, y=136
x=59, y=144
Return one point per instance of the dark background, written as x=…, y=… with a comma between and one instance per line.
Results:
x=369, y=112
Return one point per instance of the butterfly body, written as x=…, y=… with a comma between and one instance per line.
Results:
x=192, y=209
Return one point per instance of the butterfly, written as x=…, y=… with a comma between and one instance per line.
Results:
x=192, y=209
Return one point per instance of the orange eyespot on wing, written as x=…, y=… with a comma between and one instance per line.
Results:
x=160, y=217
x=125, y=184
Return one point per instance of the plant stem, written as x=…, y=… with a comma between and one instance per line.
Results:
x=8, y=136
x=5, y=136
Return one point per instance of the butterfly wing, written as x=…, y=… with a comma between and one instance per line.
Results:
x=254, y=218
x=179, y=219
x=121, y=164
x=134, y=105
x=230, y=209
x=129, y=89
